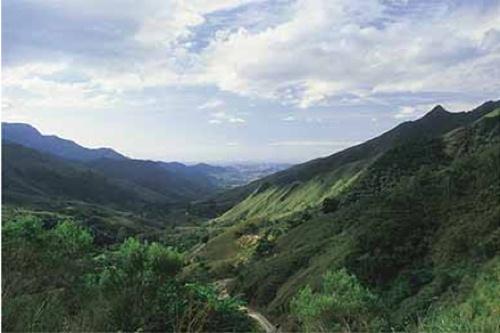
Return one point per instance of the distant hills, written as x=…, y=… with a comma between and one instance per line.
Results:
x=42, y=168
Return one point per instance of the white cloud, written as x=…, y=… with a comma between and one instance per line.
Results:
x=405, y=112
x=211, y=104
x=236, y=120
x=220, y=117
x=320, y=52
x=328, y=49
x=149, y=55
x=30, y=87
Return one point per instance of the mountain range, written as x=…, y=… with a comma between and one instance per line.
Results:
x=40, y=168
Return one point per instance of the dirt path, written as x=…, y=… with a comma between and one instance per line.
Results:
x=263, y=322
x=197, y=249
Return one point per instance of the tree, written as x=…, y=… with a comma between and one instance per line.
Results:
x=330, y=205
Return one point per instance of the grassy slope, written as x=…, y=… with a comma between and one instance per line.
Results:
x=412, y=224
x=308, y=184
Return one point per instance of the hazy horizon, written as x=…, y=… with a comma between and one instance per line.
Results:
x=241, y=80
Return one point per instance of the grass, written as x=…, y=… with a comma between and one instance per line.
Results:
x=475, y=309
x=281, y=201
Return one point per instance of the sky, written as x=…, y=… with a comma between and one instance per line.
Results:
x=242, y=80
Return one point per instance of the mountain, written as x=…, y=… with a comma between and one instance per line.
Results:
x=295, y=188
x=49, y=171
x=124, y=183
x=156, y=182
x=175, y=180
x=408, y=222
x=28, y=136
x=31, y=176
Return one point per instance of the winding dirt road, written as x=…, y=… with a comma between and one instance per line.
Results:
x=263, y=322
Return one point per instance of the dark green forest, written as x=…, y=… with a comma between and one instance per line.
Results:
x=400, y=233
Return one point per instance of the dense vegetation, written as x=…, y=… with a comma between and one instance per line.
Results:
x=56, y=279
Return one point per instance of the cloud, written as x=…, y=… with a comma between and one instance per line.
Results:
x=369, y=49
x=236, y=120
x=405, y=112
x=119, y=47
x=289, y=118
x=220, y=117
x=211, y=104
x=32, y=86
x=91, y=54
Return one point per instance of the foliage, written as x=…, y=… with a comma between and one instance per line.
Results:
x=330, y=205
x=56, y=279
x=477, y=311
x=342, y=304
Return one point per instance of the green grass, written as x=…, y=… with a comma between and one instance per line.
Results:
x=493, y=114
x=280, y=201
x=475, y=309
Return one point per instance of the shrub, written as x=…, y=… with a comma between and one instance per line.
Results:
x=342, y=304
x=330, y=205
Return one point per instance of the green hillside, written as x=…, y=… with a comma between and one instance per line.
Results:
x=28, y=174
x=308, y=184
x=114, y=200
x=31, y=177
x=411, y=216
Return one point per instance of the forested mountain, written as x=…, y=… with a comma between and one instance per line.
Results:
x=30, y=175
x=140, y=181
x=405, y=225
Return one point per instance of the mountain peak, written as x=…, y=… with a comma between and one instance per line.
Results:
x=437, y=112
x=438, y=109
x=19, y=127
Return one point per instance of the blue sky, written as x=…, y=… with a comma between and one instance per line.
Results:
x=242, y=80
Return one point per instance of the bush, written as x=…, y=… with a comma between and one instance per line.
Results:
x=330, y=205
x=342, y=304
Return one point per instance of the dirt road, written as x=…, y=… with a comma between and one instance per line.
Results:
x=263, y=322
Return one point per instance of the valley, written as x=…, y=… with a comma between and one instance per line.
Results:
x=400, y=233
